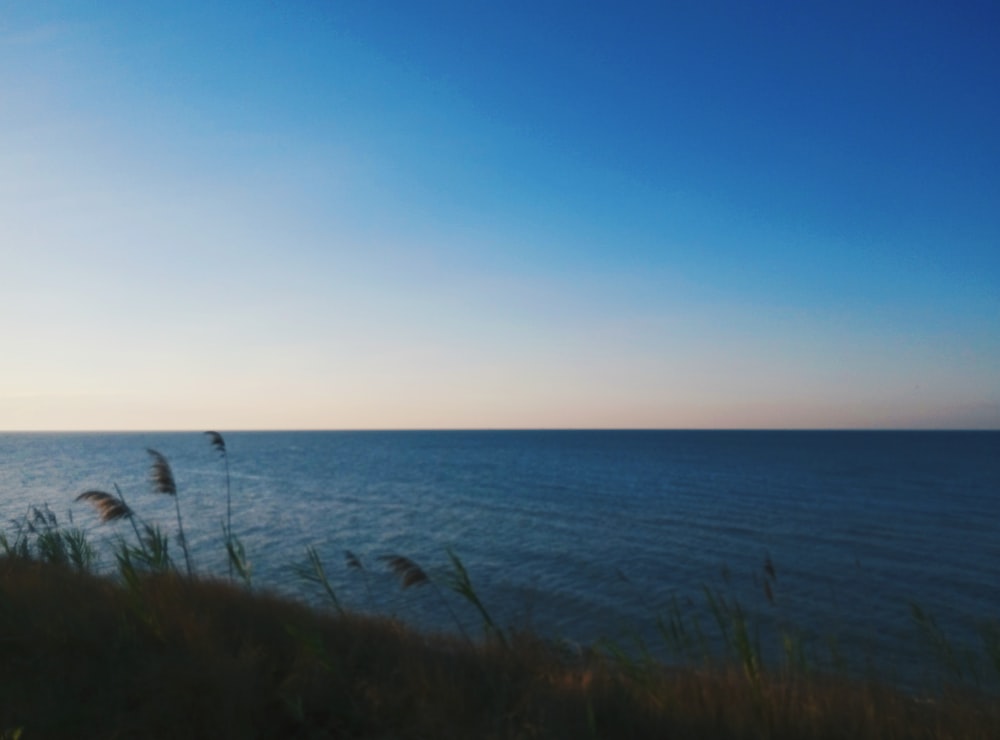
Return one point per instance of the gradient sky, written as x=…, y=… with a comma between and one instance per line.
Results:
x=275, y=215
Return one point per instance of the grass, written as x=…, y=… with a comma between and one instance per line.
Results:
x=154, y=650
x=174, y=656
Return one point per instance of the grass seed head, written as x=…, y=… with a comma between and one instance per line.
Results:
x=352, y=560
x=161, y=475
x=217, y=442
x=108, y=507
x=408, y=572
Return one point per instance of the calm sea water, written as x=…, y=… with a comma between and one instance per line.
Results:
x=584, y=535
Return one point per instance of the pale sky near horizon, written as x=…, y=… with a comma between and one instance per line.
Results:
x=350, y=215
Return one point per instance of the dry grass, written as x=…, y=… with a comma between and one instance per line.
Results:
x=169, y=656
x=162, y=478
x=108, y=507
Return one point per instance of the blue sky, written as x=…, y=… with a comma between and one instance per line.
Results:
x=451, y=215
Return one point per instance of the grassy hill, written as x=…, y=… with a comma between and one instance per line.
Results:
x=165, y=655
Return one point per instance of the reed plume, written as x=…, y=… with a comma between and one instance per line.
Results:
x=352, y=560
x=162, y=478
x=109, y=508
x=407, y=571
x=354, y=563
x=217, y=442
x=161, y=475
x=411, y=574
x=233, y=550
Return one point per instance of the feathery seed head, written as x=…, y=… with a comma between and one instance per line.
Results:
x=408, y=572
x=108, y=507
x=161, y=475
x=216, y=440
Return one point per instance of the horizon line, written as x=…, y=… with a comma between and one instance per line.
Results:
x=354, y=430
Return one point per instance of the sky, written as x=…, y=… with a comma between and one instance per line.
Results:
x=418, y=215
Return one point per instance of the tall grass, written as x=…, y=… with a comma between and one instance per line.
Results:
x=38, y=535
x=162, y=478
x=171, y=656
x=314, y=572
x=236, y=558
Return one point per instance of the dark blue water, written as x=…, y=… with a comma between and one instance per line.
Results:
x=587, y=534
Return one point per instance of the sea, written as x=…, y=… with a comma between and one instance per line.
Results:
x=871, y=552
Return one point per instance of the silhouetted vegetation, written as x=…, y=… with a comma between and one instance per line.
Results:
x=153, y=650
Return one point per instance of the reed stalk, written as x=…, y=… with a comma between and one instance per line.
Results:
x=235, y=552
x=411, y=574
x=353, y=562
x=314, y=572
x=458, y=581
x=162, y=478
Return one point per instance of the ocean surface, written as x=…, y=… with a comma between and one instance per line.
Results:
x=587, y=535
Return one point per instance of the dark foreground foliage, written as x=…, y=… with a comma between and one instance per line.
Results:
x=170, y=656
